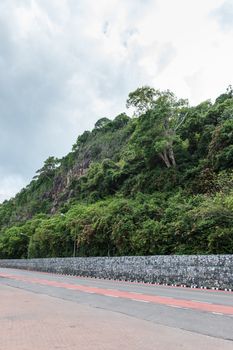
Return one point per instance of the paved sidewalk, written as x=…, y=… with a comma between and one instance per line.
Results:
x=30, y=321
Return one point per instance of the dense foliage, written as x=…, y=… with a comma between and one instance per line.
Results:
x=160, y=182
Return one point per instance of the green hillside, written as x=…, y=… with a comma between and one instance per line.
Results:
x=160, y=182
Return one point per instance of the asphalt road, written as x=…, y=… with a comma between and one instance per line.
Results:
x=152, y=317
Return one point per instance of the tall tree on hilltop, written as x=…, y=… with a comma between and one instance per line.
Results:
x=160, y=116
x=48, y=168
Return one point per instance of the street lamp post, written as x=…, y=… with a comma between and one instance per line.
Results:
x=23, y=234
x=75, y=239
x=75, y=243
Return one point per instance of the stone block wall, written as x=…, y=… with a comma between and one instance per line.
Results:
x=191, y=270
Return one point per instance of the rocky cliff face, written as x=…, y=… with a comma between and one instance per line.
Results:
x=61, y=186
x=56, y=181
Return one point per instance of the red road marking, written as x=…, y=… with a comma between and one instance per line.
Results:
x=182, y=303
x=144, y=284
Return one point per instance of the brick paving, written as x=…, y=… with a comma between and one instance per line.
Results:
x=30, y=321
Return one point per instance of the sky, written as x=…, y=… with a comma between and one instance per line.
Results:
x=65, y=64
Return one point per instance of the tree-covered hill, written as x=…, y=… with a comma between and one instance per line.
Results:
x=160, y=182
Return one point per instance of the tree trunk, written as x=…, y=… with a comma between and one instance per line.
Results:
x=171, y=155
x=165, y=158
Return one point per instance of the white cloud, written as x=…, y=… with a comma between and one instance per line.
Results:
x=10, y=185
x=224, y=15
x=65, y=63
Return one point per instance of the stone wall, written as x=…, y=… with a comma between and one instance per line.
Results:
x=191, y=270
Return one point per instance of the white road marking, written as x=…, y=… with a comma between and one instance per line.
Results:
x=175, y=306
x=199, y=301
x=142, y=301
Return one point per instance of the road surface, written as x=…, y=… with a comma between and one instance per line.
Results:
x=47, y=311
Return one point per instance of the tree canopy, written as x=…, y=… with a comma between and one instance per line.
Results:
x=160, y=182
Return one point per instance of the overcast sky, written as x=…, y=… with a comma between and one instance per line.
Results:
x=66, y=63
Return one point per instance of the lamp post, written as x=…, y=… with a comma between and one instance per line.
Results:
x=24, y=235
x=75, y=243
x=74, y=240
